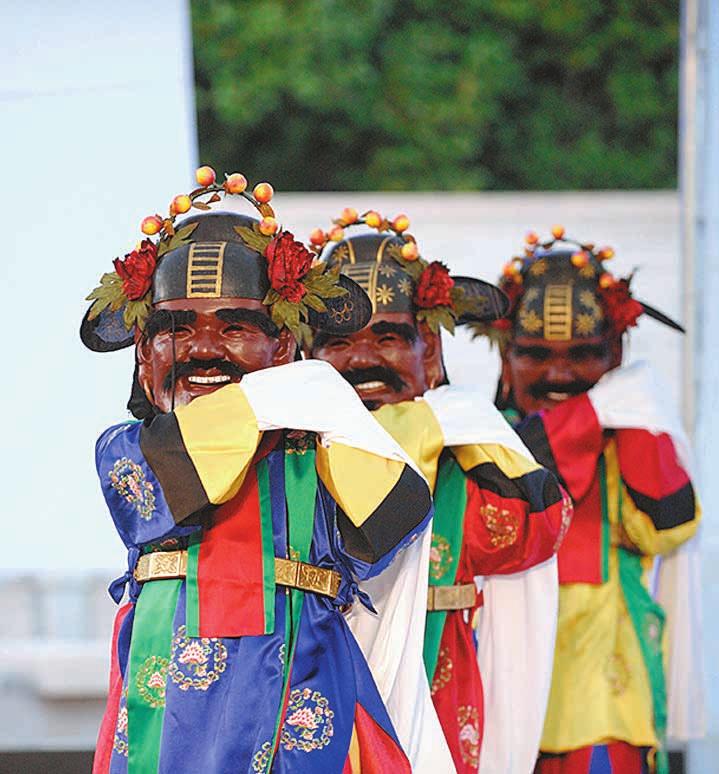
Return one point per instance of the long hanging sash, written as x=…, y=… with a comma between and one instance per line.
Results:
x=301, y=494
x=150, y=652
x=450, y=505
x=227, y=597
x=647, y=619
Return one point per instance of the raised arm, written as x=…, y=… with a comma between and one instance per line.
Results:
x=660, y=510
x=516, y=514
x=156, y=475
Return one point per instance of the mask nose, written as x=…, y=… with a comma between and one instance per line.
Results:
x=204, y=346
x=559, y=373
x=362, y=356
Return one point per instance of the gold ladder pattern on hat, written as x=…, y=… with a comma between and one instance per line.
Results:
x=558, y=313
x=204, y=269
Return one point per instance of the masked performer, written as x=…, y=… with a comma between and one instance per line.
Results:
x=604, y=430
x=246, y=541
x=496, y=511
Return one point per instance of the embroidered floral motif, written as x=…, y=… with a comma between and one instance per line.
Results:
x=196, y=662
x=129, y=481
x=443, y=672
x=308, y=723
x=566, y=520
x=168, y=544
x=617, y=674
x=468, y=722
x=299, y=442
x=503, y=526
x=120, y=743
x=653, y=631
x=282, y=653
x=151, y=680
x=262, y=757
x=440, y=556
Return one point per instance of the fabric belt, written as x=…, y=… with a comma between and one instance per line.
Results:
x=461, y=597
x=163, y=565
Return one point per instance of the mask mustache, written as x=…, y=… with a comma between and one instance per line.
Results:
x=357, y=376
x=191, y=366
x=540, y=389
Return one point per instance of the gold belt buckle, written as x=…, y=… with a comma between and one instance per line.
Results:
x=161, y=565
x=307, y=577
x=460, y=597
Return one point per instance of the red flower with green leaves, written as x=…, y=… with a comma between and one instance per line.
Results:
x=434, y=287
x=136, y=270
x=288, y=262
x=621, y=309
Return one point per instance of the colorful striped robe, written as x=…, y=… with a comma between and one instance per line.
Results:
x=223, y=671
x=497, y=512
x=633, y=501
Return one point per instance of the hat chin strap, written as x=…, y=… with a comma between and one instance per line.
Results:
x=173, y=372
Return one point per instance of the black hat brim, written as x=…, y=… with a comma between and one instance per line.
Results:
x=489, y=303
x=345, y=314
x=661, y=317
x=106, y=332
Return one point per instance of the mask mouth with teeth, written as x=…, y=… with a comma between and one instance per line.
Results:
x=209, y=373
x=373, y=383
x=559, y=392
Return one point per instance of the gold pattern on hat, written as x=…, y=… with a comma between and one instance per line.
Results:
x=405, y=286
x=538, y=267
x=558, y=313
x=204, y=269
x=385, y=295
x=530, y=321
x=380, y=249
x=365, y=275
x=341, y=253
x=585, y=324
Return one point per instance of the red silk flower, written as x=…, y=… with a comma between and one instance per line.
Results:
x=434, y=287
x=621, y=309
x=137, y=269
x=287, y=263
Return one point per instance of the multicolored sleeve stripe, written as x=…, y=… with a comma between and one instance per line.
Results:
x=384, y=503
x=567, y=440
x=200, y=453
x=659, y=487
x=416, y=429
x=517, y=512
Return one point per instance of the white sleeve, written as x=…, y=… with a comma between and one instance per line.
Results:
x=312, y=395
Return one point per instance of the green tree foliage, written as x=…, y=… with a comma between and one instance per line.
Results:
x=430, y=94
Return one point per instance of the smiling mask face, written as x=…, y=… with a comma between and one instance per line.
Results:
x=212, y=342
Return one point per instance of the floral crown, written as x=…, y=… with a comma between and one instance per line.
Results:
x=439, y=301
x=620, y=309
x=298, y=282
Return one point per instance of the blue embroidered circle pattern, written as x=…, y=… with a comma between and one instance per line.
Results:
x=308, y=723
x=129, y=481
x=196, y=662
x=119, y=743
